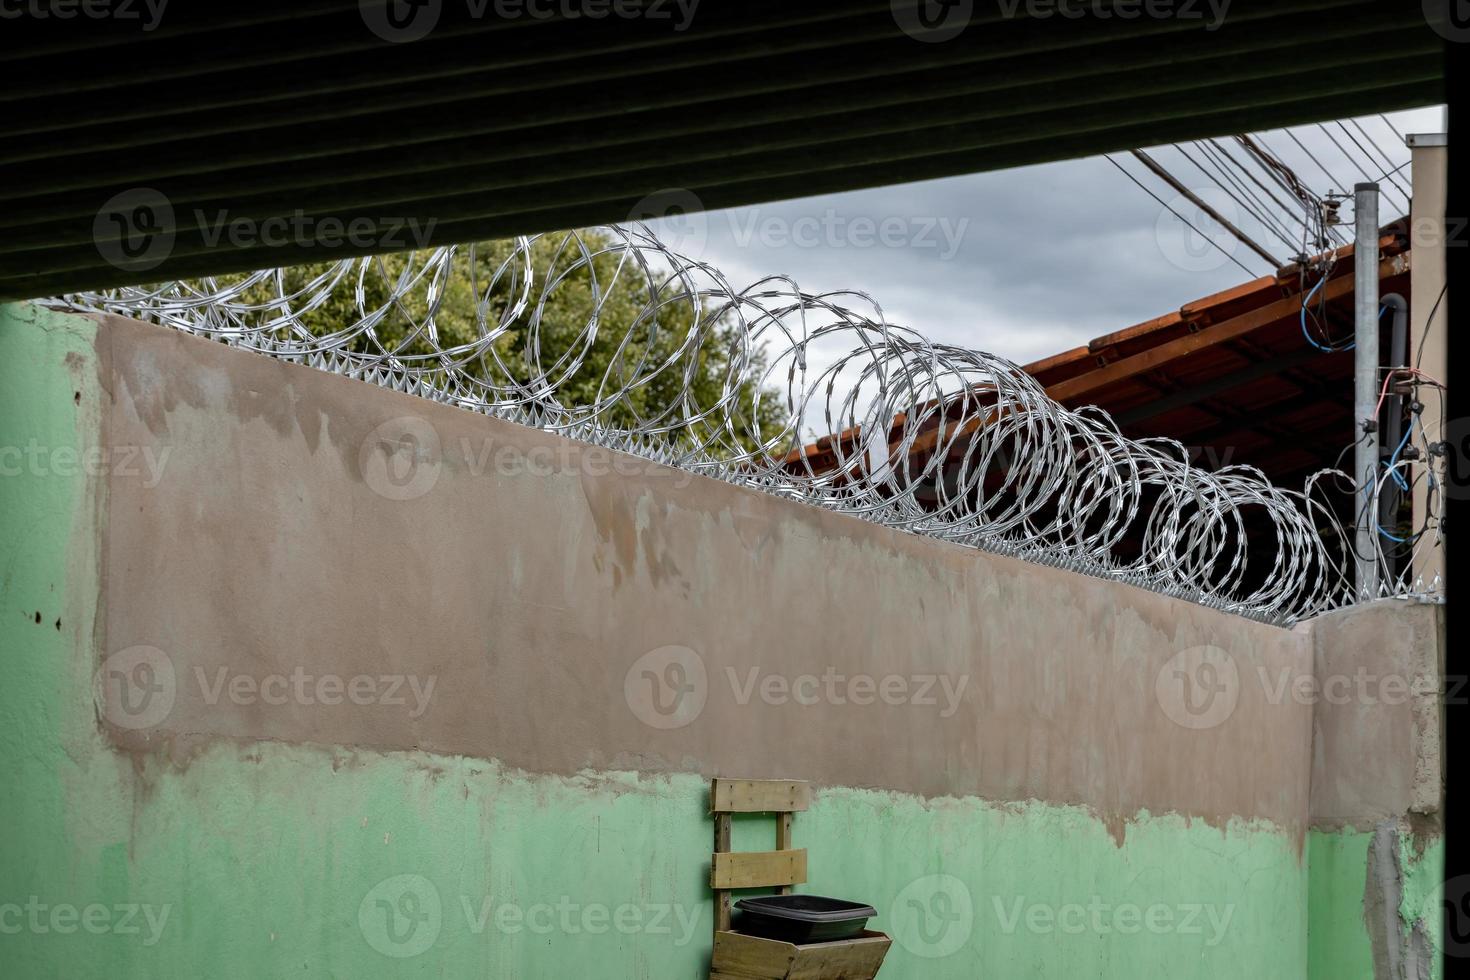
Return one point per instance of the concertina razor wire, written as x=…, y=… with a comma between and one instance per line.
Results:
x=932, y=438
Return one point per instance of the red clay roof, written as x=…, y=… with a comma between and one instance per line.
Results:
x=1229, y=375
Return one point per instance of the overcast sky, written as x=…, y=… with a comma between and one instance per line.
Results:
x=1024, y=262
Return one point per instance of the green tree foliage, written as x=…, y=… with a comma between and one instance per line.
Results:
x=642, y=334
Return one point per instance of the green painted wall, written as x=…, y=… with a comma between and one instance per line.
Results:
x=1423, y=891
x=1338, y=942
x=1338, y=945
x=266, y=859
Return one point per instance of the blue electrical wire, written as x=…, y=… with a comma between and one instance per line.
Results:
x=1393, y=460
x=1398, y=477
x=1306, y=302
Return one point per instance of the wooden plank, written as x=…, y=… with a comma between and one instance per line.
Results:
x=757, y=869
x=722, y=845
x=783, y=842
x=851, y=959
x=758, y=795
x=739, y=955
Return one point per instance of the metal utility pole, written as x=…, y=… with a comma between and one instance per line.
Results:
x=1365, y=384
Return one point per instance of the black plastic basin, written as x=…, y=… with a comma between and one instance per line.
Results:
x=802, y=918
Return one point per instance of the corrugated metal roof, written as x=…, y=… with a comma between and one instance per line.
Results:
x=506, y=124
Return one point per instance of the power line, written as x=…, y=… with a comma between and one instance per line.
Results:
x=1388, y=161
x=1195, y=199
x=1224, y=251
x=1250, y=207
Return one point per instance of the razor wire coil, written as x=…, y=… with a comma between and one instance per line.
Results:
x=929, y=438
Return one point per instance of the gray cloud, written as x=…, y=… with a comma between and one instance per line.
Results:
x=1049, y=256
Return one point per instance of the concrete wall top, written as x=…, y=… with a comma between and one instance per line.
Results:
x=1377, y=723
x=559, y=607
